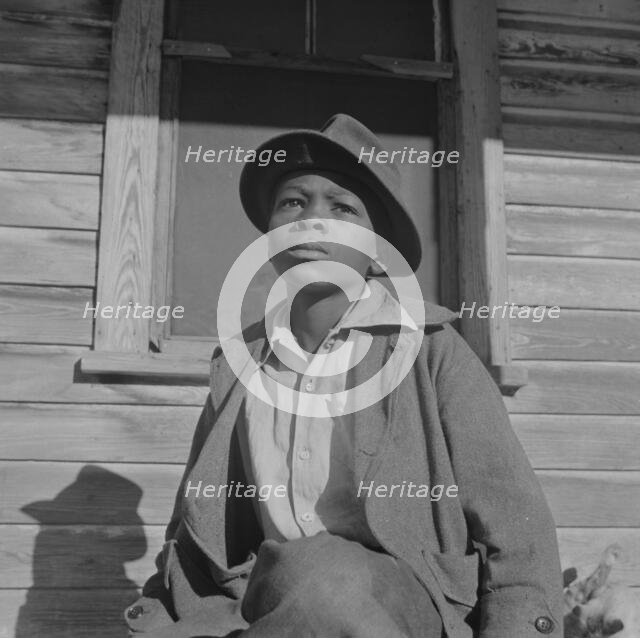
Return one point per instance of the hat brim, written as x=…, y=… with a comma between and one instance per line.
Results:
x=257, y=182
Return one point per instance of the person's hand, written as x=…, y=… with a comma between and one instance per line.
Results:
x=146, y=614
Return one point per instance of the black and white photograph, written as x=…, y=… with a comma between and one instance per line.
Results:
x=320, y=319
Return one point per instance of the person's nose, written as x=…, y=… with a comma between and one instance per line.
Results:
x=310, y=222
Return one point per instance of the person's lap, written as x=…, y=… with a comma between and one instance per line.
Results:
x=326, y=587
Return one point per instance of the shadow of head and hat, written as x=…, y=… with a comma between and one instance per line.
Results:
x=89, y=530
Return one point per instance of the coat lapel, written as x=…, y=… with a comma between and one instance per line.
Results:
x=372, y=424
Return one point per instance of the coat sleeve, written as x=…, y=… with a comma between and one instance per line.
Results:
x=505, y=509
x=155, y=609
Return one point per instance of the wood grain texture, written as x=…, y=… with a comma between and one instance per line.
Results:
x=72, y=612
x=579, y=442
x=106, y=433
x=29, y=549
x=621, y=10
x=162, y=285
x=71, y=9
x=78, y=556
x=81, y=493
x=558, y=181
x=52, y=93
x=133, y=494
x=592, y=499
x=26, y=550
x=587, y=335
x=49, y=199
x=578, y=387
x=42, y=256
x=131, y=146
x=574, y=282
x=49, y=374
x=32, y=314
x=526, y=39
x=480, y=205
x=564, y=231
x=65, y=612
x=28, y=38
x=148, y=365
x=571, y=133
x=56, y=147
x=582, y=548
x=570, y=86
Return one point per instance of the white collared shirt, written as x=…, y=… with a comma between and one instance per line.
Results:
x=313, y=456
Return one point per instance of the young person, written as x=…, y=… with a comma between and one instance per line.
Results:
x=346, y=547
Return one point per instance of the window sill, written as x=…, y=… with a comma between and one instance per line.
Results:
x=169, y=368
x=510, y=378
x=195, y=370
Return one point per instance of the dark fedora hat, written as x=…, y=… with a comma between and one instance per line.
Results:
x=336, y=147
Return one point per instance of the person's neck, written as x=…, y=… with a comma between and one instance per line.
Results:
x=312, y=316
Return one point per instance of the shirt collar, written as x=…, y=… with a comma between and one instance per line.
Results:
x=375, y=307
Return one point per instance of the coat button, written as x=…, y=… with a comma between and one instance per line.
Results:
x=134, y=612
x=544, y=625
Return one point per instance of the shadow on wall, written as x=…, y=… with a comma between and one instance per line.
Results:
x=89, y=531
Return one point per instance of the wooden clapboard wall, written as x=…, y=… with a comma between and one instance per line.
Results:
x=570, y=83
x=88, y=467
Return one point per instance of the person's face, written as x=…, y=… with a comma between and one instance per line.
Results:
x=320, y=195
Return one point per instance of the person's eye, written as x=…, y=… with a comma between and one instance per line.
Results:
x=345, y=208
x=291, y=202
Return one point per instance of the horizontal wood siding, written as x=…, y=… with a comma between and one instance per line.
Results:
x=571, y=129
x=106, y=433
x=578, y=232
x=578, y=387
x=584, y=335
x=54, y=200
x=43, y=256
x=614, y=10
x=90, y=465
x=571, y=133
x=51, y=40
x=575, y=282
x=54, y=93
x=124, y=493
x=44, y=145
x=54, y=57
x=109, y=546
x=49, y=374
x=65, y=612
x=577, y=441
x=40, y=314
x=563, y=181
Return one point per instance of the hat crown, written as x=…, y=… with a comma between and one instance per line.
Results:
x=357, y=138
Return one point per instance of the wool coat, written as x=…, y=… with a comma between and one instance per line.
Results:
x=488, y=557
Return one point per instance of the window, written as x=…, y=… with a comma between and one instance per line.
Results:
x=163, y=224
x=233, y=83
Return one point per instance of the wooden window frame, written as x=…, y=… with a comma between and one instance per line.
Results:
x=139, y=181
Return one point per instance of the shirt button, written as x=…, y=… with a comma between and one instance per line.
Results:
x=308, y=386
x=134, y=612
x=544, y=625
x=304, y=454
x=306, y=517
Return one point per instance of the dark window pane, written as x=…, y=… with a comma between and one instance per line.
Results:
x=276, y=25
x=241, y=107
x=402, y=28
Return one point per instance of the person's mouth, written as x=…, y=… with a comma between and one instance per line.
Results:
x=308, y=250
